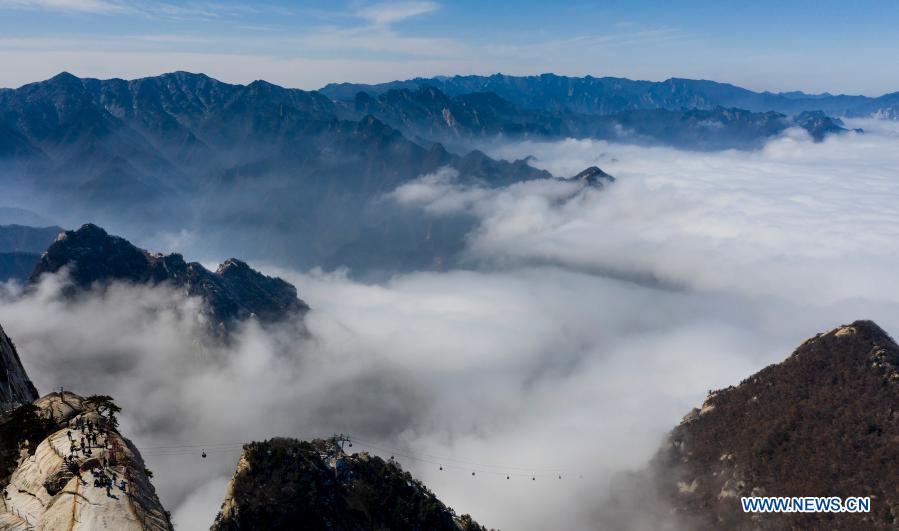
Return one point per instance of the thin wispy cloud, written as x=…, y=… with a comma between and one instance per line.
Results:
x=554, y=47
x=86, y=6
x=389, y=12
x=175, y=11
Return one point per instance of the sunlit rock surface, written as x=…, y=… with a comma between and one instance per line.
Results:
x=56, y=487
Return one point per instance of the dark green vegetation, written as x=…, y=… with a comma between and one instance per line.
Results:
x=290, y=484
x=105, y=406
x=18, y=427
x=825, y=422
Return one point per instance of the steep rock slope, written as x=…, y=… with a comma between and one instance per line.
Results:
x=15, y=387
x=290, y=484
x=233, y=292
x=825, y=422
x=61, y=484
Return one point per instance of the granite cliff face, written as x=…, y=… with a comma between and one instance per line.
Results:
x=15, y=386
x=233, y=292
x=825, y=422
x=74, y=470
x=290, y=484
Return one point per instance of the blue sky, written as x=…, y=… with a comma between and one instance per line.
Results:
x=847, y=47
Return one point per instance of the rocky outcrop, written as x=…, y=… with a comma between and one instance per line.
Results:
x=83, y=475
x=819, y=125
x=15, y=386
x=233, y=292
x=825, y=422
x=290, y=484
x=592, y=176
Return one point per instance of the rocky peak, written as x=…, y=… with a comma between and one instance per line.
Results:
x=281, y=482
x=235, y=291
x=75, y=471
x=824, y=422
x=593, y=176
x=819, y=125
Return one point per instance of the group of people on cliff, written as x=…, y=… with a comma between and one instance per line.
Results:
x=101, y=468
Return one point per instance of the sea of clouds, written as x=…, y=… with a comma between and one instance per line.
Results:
x=586, y=324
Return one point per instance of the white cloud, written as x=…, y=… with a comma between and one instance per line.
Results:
x=389, y=12
x=88, y=6
x=589, y=323
x=166, y=10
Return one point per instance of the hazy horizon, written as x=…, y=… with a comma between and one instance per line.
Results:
x=760, y=46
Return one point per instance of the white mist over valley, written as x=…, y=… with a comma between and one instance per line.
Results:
x=578, y=327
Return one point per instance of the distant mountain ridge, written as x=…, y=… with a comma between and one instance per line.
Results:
x=21, y=247
x=296, y=177
x=429, y=114
x=24, y=239
x=610, y=95
x=184, y=150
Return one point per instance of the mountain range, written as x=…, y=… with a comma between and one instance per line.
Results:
x=187, y=152
x=427, y=114
x=609, y=95
x=296, y=177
